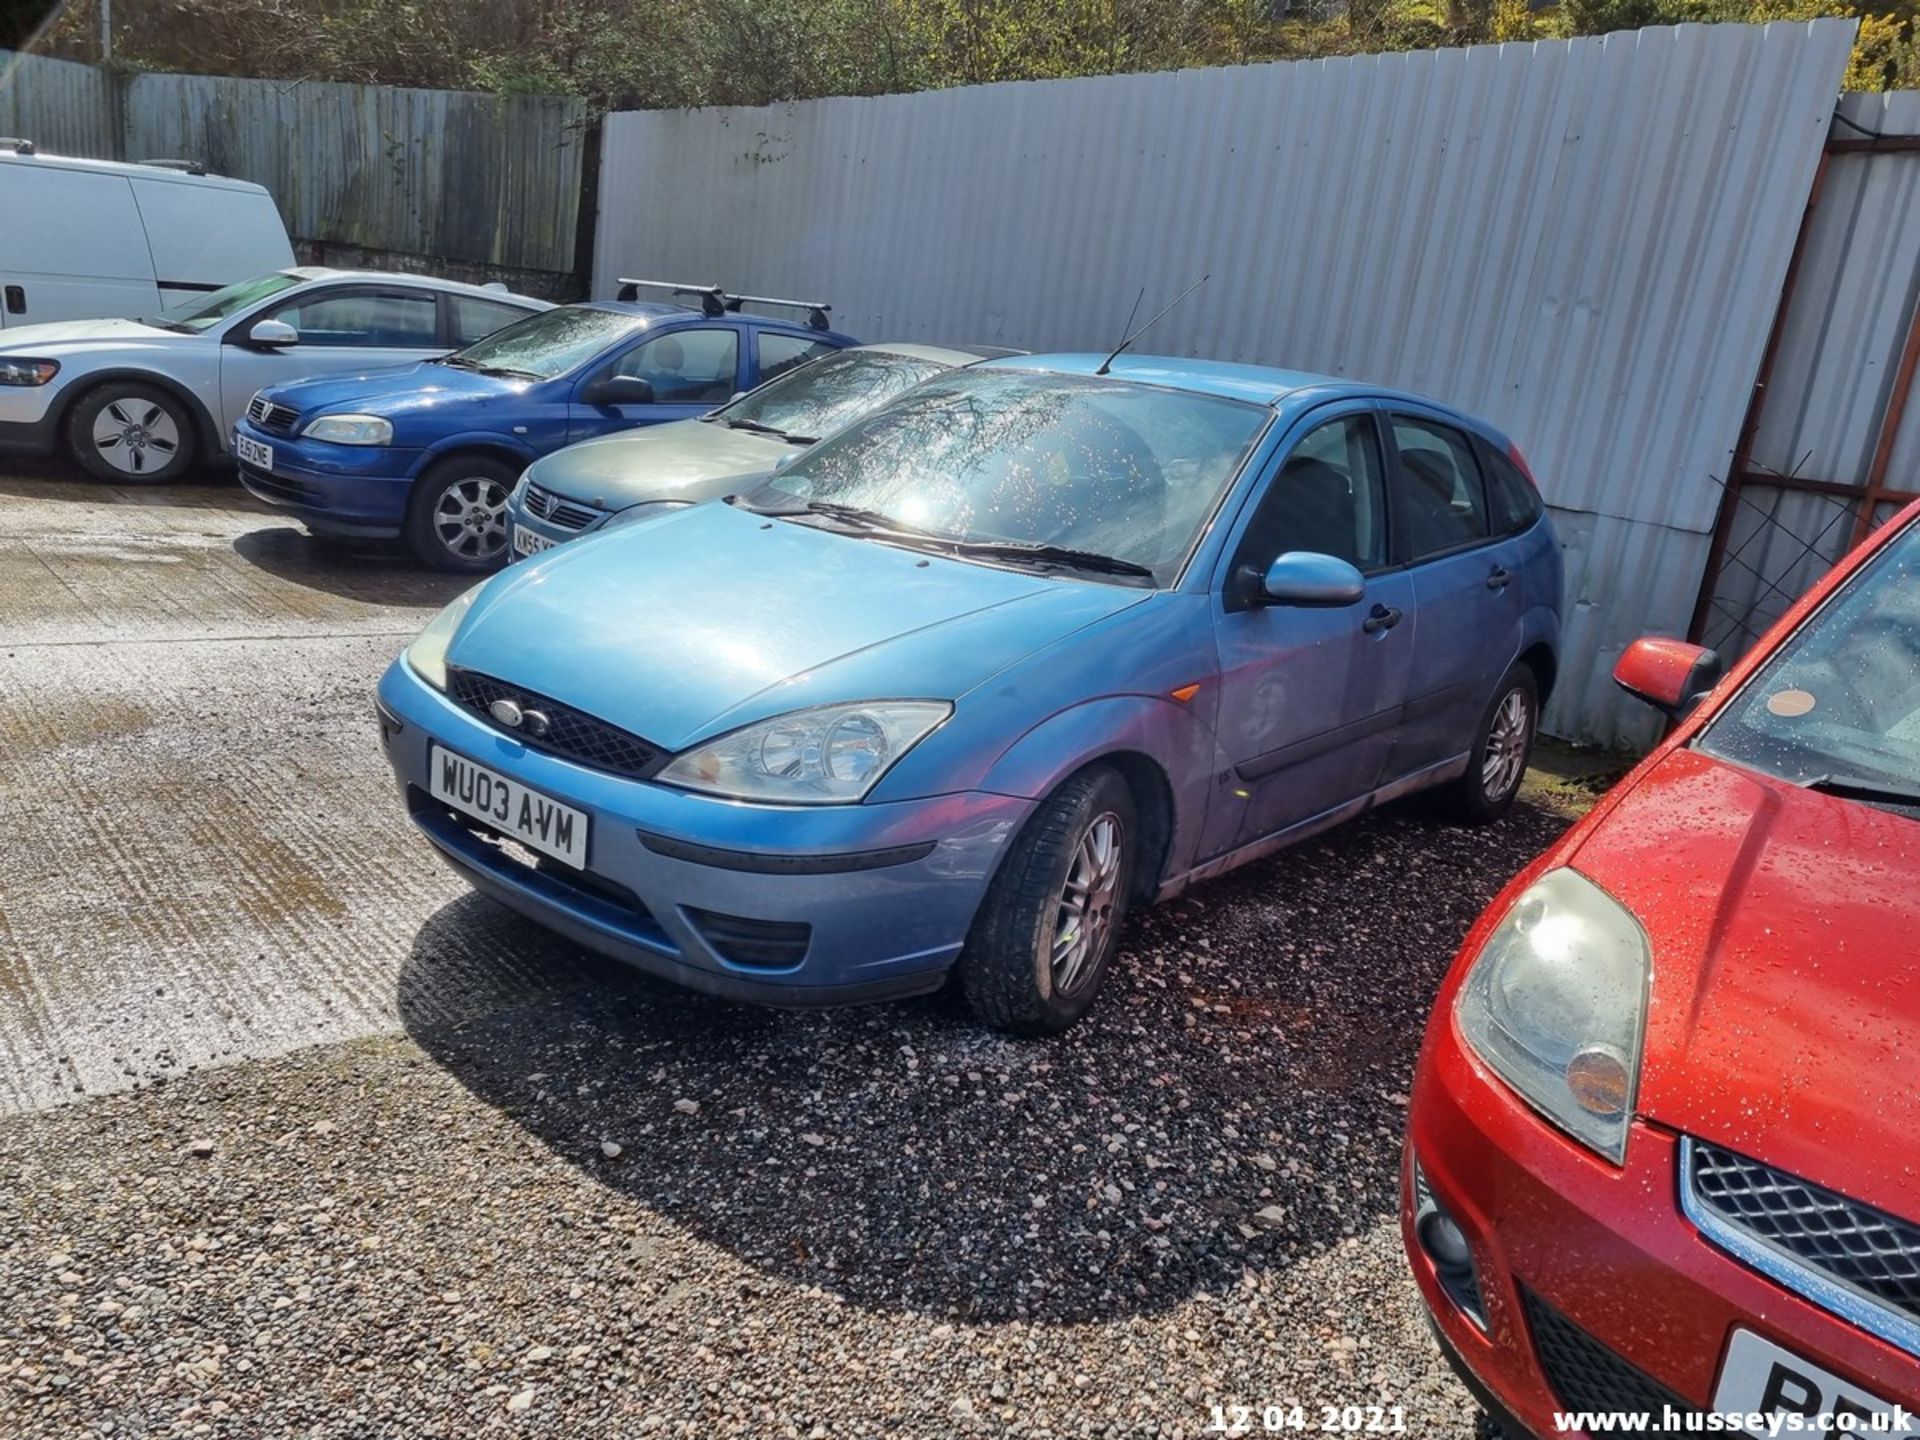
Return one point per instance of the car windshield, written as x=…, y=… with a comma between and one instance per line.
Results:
x=548, y=344
x=1838, y=706
x=223, y=304
x=820, y=397
x=1002, y=461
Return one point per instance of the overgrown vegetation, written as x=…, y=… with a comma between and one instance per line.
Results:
x=622, y=54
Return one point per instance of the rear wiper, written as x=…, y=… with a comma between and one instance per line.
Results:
x=1854, y=787
x=1051, y=555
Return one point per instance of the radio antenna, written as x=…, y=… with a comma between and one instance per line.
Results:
x=1118, y=350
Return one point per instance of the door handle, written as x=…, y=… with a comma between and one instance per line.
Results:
x=1500, y=578
x=1381, y=617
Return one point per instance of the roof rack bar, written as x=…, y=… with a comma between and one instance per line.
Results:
x=715, y=301
x=16, y=143
x=186, y=167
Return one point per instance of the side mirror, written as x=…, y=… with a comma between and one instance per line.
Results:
x=1301, y=577
x=1670, y=675
x=272, y=334
x=618, y=390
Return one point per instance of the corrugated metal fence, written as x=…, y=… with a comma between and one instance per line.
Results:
x=1582, y=241
x=482, y=178
x=1833, y=443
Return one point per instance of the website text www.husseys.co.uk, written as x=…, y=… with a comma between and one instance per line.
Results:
x=1899, y=1421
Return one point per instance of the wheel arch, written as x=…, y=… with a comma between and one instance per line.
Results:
x=206, y=431
x=1159, y=748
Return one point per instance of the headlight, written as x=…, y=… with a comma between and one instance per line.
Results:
x=351, y=430
x=427, y=655
x=830, y=756
x=1556, y=1004
x=645, y=510
x=27, y=372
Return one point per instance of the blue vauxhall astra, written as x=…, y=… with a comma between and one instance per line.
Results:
x=1039, y=640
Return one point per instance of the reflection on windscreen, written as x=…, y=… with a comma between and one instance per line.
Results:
x=820, y=397
x=1841, y=700
x=206, y=311
x=1087, y=463
x=548, y=344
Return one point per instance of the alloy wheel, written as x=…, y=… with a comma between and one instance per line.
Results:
x=1084, y=909
x=1507, y=740
x=470, y=518
x=136, y=437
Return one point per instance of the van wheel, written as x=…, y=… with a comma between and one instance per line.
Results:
x=457, y=519
x=1501, y=748
x=127, y=433
x=1039, y=948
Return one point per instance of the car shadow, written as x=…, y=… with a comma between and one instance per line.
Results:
x=1234, y=1103
x=374, y=572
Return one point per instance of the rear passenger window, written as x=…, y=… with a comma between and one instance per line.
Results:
x=1512, y=501
x=476, y=319
x=1445, y=501
x=781, y=353
x=1329, y=498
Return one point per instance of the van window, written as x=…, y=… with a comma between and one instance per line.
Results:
x=89, y=225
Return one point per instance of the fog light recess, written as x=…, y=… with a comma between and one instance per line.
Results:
x=1445, y=1244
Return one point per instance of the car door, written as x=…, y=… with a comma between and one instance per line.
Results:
x=1463, y=587
x=1309, y=696
x=343, y=328
x=673, y=376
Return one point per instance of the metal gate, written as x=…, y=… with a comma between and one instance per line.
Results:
x=1825, y=453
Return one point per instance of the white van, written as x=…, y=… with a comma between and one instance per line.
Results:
x=95, y=239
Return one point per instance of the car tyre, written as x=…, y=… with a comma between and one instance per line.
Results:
x=127, y=433
x=457, y=518
x=1041, y=943
x=1502, y=746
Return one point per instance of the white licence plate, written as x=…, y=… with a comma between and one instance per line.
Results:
x=508, y=806
x=530, y=542
x=253, y=452
x=1760, y=1378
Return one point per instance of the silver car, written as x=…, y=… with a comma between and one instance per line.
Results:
x=141, y=400
x=637, y=473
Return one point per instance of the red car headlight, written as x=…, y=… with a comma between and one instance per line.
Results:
x=1556, y=1005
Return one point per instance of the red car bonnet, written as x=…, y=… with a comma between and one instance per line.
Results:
x=1785, y=1013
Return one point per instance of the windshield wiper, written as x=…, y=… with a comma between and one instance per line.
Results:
x=506, y=371
x=173, y=325
x=1855, y=787
x=1042, y=554
x=734, y=422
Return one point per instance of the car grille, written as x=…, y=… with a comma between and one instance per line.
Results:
x=1857, y=1261
x=1586, y=1375
x=268, y=416
x=543, y=504
x=570, y=733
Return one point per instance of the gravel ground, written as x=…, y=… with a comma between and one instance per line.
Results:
x=622, y=1210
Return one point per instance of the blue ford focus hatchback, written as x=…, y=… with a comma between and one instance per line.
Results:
x=1038, y=641
x=430, y=452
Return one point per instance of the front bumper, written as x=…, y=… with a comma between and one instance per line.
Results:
x=357, y=490
x=1605, y=1251
x=886, y=893
x=28, y=418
